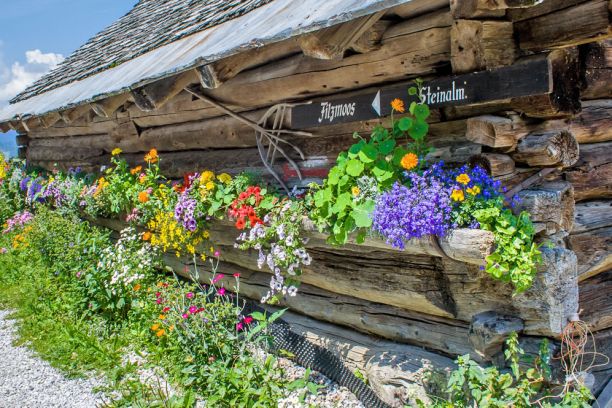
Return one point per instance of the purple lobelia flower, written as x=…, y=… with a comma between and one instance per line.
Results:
x=403, y=213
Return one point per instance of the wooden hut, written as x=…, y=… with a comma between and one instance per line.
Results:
x=522, y=87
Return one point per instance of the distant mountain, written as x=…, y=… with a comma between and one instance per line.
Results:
x=8, y=143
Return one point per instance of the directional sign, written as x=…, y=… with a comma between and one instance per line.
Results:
x=523, y=79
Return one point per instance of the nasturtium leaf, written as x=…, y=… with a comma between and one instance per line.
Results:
x=355, y=149
x=419, y=130
x=404, y=124
x=412, y=107
x=333, y=176
x=361, y=236
x=368, y=153
x=354, y=167
x=421, y=111
x=342, y=202
x=412, y=90
x=343, y=180
x=398, y=154
x=361, y=214
x=382, y=170
x=386, y=147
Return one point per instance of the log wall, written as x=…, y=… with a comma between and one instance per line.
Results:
x=554, y=149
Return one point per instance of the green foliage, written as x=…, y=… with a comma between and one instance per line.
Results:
x=343, y=204
x=472, y=385
x=516, y=256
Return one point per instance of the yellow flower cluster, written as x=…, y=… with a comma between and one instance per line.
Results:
x=169, y=234
x=102, y=184
x=473, y=190
x=21, y=240
x=3, y=167
x=457, y=195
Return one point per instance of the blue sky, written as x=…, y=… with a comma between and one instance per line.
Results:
x=36, y=34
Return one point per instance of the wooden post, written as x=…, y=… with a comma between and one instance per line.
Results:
x=596, y=72
x=495, y=131
x=592, y=174
x=551, y=204
x=495, y=164
x=478, y=45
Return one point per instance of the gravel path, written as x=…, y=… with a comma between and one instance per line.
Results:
x=28, y=381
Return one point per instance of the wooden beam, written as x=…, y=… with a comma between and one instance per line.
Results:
x=105, y=108
x=548, y=149
x=596, y=73
x=494, y=163
x=595, y=301
x=478, y=45
x=372, y=38
x=575, y=25
x=592, y=174
x=216, y=73
x=71, y=115
x=564, y=96
x=544, y=7
x=154, y=96
x=331, y=43
x=416, y=8
x=591, y=237
x=496, y=131
x=473, y=9
x=550, y=204
x=50, y=119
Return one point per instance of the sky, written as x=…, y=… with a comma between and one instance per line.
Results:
x=35, y=35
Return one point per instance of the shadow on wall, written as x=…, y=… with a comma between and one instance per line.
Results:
x=8, y=143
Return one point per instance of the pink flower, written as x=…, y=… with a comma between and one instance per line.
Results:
x=248, y=320
x=236, y=275
x=189, y=295
x=218, y=278
x=217, y=254
x=185, y=315
x=159, y=301
x=193, y=309
x=3, y=250
x=78, y=274
x=221, y=291
x=239, y=326
x=158, y=294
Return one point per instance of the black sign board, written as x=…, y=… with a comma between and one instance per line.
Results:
x=522, y=79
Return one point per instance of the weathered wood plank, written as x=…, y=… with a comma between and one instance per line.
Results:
x=575, y=25
x=545, y=7
x=595, y=301
x=551, y=204
x=478, y=45
x=555, y=148
x=591, y=176
x=596, y=72
x=591, y=237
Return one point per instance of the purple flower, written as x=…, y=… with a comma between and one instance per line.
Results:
x=403, y=213
x=184, y=212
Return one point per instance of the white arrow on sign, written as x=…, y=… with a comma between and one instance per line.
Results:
x=376, y=103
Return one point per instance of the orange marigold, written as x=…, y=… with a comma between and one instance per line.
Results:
x=398, y=105
x=136, y=170
x=146, y=236
x=151, y=157
x=143, y=197
x=409, y=161
x=160, y=333
x=137, y=287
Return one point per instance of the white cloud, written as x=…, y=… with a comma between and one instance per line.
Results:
x=16, y=78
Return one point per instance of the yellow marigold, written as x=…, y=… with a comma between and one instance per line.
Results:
x=116, y=151
x=224, y=178
x=398, y=105
x=136, y=170
x=210, y=185
x=155, y=327
x=355, y=190
x=409, y=161
x=474, y=190
x=143, y=197
x=207, y=176
x=160, y=333
x=463, y=178
x=457, y=195
x=152, y=156
x=206, y=235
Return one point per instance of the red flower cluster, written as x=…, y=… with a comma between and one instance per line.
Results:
x=244, y=207
x=245, y=321
x=187, y=181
